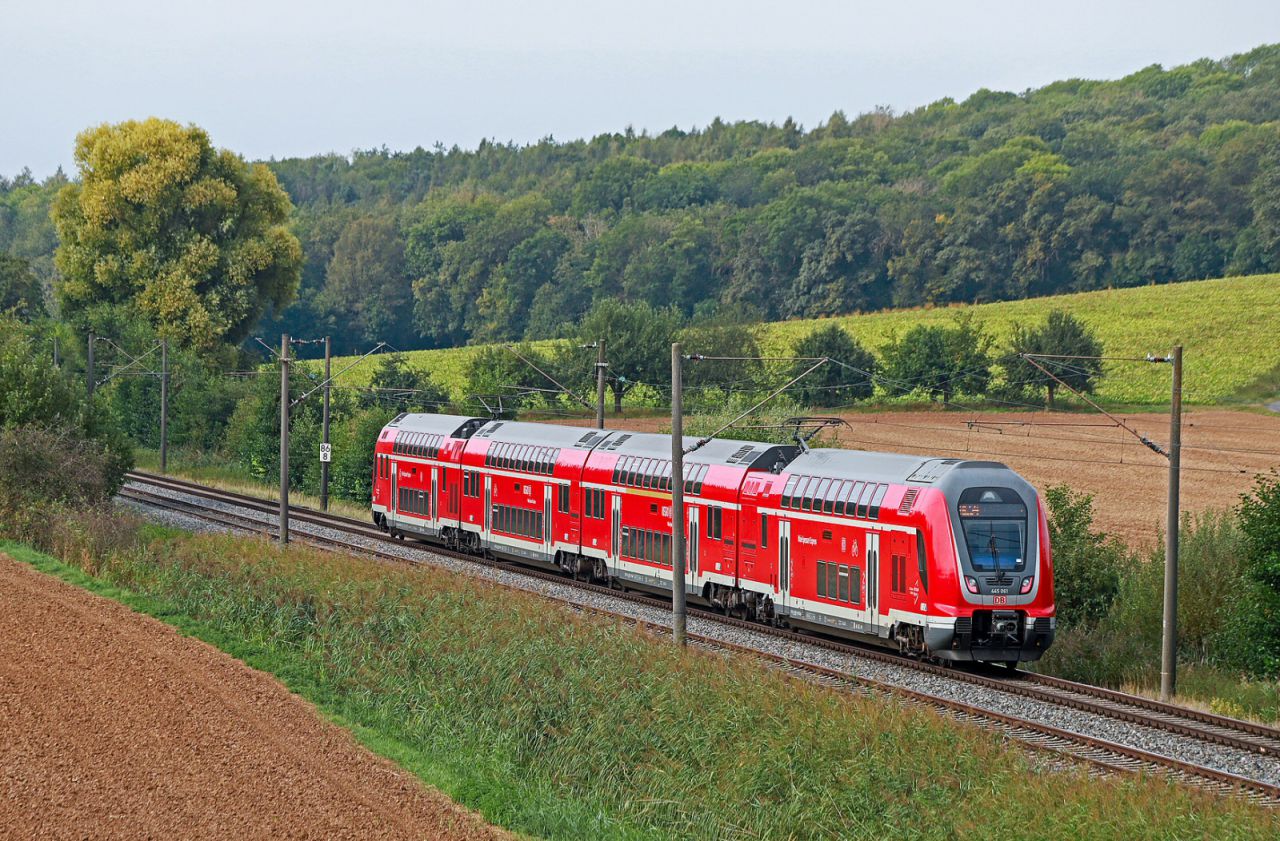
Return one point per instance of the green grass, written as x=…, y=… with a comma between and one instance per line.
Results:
x=1227, y=327
x=570, y=727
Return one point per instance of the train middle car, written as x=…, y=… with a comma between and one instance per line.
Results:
x=942, y=558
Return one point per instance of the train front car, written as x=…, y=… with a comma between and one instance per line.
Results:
x=988, y=540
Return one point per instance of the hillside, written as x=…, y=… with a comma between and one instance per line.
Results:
x=1227, y=327
x=1161, y=176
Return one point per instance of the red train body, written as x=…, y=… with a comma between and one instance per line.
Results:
x=942, y=558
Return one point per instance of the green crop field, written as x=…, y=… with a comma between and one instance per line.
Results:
x=1227, y=326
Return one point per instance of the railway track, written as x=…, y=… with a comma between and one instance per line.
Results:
x=1111, y=756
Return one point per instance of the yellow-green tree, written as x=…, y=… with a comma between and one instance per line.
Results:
x=163, y=226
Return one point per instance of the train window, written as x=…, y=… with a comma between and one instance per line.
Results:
x=855, y=585
x=563, y=498
x=842, y=504
x=631, y=540
x=833, y=580
x=820, y=494
x=715, y=524
x=702, y=476
x=864, y=501
x=666, y=549
x=844, y=583
x=851, y=500
x=764, y=531
x=786, y=492
x=822, y=578
x=829, y=498
x=801, y=491
x=877, y=499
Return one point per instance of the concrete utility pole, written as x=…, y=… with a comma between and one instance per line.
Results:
x=1169, y=647
x=601, y=365
x=89, y=365
x=324, y=465
x=164, y=405
x=284, y=439
x=57, y=360
x=677, y=497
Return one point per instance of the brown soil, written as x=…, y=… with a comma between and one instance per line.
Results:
x=112, y=725
x=1222, y=451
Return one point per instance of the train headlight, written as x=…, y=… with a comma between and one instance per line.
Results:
x=971, y=584
x=1026, y=584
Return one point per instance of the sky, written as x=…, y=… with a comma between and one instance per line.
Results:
x=284, y=78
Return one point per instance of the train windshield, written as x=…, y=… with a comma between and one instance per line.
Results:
x=995, y=529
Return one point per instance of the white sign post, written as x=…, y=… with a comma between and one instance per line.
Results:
x=326, y=453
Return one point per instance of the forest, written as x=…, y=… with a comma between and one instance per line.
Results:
x=1163, y=175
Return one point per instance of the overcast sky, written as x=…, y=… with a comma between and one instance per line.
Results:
x=297, y=77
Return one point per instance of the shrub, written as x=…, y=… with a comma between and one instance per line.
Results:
x=1258, y=628
x=1087, y=565
x=940, y=361
x=834, y=384
x=41, y=466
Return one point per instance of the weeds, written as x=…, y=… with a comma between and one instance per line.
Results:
x=571, y=727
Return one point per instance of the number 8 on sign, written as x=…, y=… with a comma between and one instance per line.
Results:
x=326, y=452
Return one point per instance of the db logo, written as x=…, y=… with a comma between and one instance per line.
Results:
x=1000, y=600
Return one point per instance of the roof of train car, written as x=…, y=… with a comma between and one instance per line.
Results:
x=723, y=451
x=449, y=425
x=879, y=467
x=543, y=434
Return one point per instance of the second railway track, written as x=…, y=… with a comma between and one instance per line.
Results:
x=1258, y=740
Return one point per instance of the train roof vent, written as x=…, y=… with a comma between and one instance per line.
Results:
x=589, y=440
x=396, y=420
x=932, y=469
x=741, y=455
x=488, y=433
x=618, y=442
x=908, y=500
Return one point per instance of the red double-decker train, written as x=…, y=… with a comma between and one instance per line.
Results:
x=939, y=557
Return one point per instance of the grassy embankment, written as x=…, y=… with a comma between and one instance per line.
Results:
x=570, y=727
x=1227, y=327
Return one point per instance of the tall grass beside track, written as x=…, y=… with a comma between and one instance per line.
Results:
x=565, y=726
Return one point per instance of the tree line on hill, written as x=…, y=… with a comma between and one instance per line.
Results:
x=1160, y=176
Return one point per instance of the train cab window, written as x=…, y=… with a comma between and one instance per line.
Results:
x=786, y=491
x=881, y=490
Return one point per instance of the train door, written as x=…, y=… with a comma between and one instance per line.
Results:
x=546, y=519
x=488, y=503
x=434, y=497
x=691, y=544
x=615, y=547
x=873, y=579
x=393, y=503
x=784, y=562
x=747, y=548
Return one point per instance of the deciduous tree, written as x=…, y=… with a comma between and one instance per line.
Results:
x=164, y=226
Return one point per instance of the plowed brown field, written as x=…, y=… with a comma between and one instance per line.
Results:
x=1222, y=450
x=112, y=725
